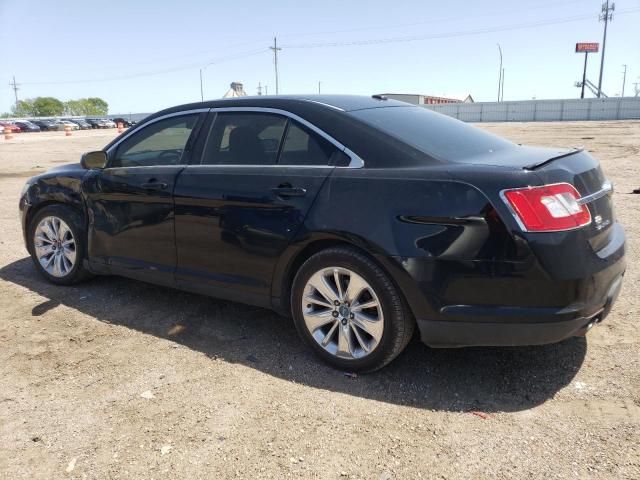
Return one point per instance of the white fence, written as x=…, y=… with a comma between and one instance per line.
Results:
x=543, y=110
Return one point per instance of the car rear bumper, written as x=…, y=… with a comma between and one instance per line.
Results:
x=490, y=303
x=503, y=326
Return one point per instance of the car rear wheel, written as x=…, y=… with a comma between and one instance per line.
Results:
x=56, y=242
x=348, y=310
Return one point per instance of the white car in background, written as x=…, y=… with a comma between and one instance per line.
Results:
x=74, y=126
x=110, y=123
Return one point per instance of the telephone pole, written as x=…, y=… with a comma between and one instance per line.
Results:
x=606, y=16
x=624, y=79
x=499, y=72
x=275, y=49
x=319, y=84
x=15, y=88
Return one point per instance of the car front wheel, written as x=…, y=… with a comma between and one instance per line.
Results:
x=348, y=310
x=56, y=243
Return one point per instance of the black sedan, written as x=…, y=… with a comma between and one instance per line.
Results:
x=362, y=218
x=27, y=126
x=45, y=125
x=96, y=123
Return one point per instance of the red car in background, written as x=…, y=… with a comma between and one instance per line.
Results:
x=11, y=127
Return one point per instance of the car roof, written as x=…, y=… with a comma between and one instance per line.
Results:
x=345, y=103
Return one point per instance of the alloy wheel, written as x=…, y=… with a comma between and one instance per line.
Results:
x=55, y=246
x=342, y=313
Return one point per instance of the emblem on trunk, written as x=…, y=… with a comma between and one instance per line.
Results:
x=600, y=223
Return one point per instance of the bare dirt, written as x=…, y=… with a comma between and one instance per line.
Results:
x=119, y=379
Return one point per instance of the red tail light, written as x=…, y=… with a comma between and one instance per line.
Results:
x=549, y=208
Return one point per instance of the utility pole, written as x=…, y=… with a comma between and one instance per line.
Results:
x=584, y=73
x=636, y=89
x=266, y=89
x=14, y=85
x=319, y=83
x=606, y=16
x=502, y=87
x=259, y=88
x=201, y=88
x=275, y=49
x=624, y=78
x=500, y=73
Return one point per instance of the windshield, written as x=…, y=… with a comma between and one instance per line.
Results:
x=439, y=136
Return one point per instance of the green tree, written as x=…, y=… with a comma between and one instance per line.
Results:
x=96, y=106
x=24, y=108
x=47, y=107
x=75, y=107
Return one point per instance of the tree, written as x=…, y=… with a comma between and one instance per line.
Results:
x=74, y=107
x=24, y=108
x=47, y=107
x=96, y=106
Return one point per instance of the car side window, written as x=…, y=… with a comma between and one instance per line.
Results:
x=304, y=147
x=160, y=143
x=238, y=138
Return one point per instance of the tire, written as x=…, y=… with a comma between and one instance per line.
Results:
x=388, y=324
x=61, y=270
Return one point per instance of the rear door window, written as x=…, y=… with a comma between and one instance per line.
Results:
x=304, y=147
x=239, y=138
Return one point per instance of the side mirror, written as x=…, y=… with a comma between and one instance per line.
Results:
x=91, y=160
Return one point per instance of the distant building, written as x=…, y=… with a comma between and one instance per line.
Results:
x=236, y=90
x=417, y=99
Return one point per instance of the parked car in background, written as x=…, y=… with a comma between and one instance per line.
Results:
x=45, y=125
x=362, y=218
x=125, y=123
x=80, y=122
x=96, y=123
x=74, y=126
x=1, y=129
x=12, y=127
x=109, y=123
x=27, y=126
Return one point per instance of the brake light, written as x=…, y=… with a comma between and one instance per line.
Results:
x=548, y=208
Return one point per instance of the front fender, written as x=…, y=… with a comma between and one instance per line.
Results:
x=62, y=185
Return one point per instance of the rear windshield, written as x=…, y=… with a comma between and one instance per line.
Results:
x=439, y=136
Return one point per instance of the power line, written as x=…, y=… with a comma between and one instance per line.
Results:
x=606, y=16
x=439, y=20
x=152, y=73
x=412, y=38
x=240, y=55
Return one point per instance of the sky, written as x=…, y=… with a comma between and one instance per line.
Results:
x=144, y=55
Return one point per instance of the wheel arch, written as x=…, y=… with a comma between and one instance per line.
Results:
x=296, y=255
x=34, y=209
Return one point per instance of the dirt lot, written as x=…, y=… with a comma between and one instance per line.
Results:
x=119, y=379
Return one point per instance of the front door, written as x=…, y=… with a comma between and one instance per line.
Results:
x=237, y=210
x=130, y=203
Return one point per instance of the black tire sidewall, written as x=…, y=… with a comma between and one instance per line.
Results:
x=76, y=224
x=381, y=284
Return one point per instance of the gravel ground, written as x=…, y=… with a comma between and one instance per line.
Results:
x=120, y=379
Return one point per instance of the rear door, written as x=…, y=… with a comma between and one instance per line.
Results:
x=240, y=205
x=130, y=203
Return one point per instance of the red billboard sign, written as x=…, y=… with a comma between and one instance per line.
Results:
x=587, y=47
